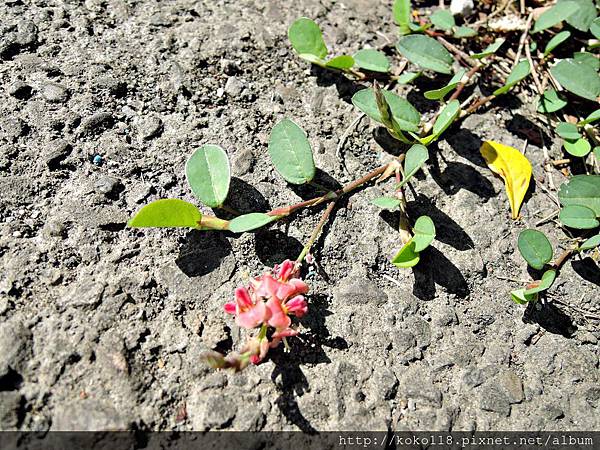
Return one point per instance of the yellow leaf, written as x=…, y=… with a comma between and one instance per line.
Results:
x=513, y=167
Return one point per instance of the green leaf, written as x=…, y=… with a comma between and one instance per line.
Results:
x=426, y=52
x=535, y=247
x=519, y=297
x=490, y=50
x=567, y=131
x=405, y=114
x=372, y=60
x=424, y=230
x=591, y=243
x=248, y=222
x=413, y=161
x=583, y=190
x=340, y=62
x=588, y=59
x=595, y=28
x=386, y=202
x=438, y=94
x=579, y=147
x=401, y=11
x=408, y=77
x=545, y=283
x=291, y=153
x=306, y=38
x=446, y=117
x=464, y=32
x=169, y=212
x=407, y=256
x=577, y=78
x=208, y=174
x=591, y=118
x=520, y=71
x=555, y=15
x=443, y=19
x=583, y=16
x=550, y=102
x=556, y=41
x=578, y=217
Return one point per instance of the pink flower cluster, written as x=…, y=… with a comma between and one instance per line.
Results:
x=268, y=301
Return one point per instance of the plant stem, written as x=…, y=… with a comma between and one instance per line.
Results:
x=564, y=256
x=315, y=233
x=462, y=84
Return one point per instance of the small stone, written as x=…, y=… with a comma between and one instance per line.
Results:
x=10, y=406
x=55, y=93
x=512, y=386
x=359, y=291
x=15, y=347
x=27, y=33
x=86, y=294
x=20, y=90
x=211, y=412
x=97, y=160
x=472, y=376
x=386, y=383
x=14, y=127
x=493, y=399
x=89, y=415
x=97, y=122
x=151, y=127
x=106, y=185
x=243, y=162
x=55, y=153
x=233, y=87
x=115, y=87
x=587, y=338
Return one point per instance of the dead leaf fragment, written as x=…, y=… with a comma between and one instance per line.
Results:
x=510, y=164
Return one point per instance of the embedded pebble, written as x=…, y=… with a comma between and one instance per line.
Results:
x=20, y=90
x=151, y=127
x=55, y=93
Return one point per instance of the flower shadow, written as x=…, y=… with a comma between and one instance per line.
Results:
x=308, y=348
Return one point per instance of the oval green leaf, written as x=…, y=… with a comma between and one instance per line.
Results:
x=556, y=41
x=425, y=52
x=401, y=11
x=550, y=102
x=591, y=118
x=386, y=202
x=520, y=71
x=341, y=62
x=591, y=243
x=408, y=77
x=306, y=38
x=443, y=19
x=248, y=222
x=464, y=32
x=578, y=217
x=414, y=160
x=579, y=148
x=168, y=212
x=405, y=114
x=424, y=231
x=519, y=297
x=580, y=79
x=407, y=256
x=567, y=131
x=535, y=247
x=595, y=28
x=290, y=152
x=583, y=16
x=555, y=15
x=437, y=94
x=490, y=50
x=446, y=117
x=583, y=190
x=208, y=174
x=373, y=60
x=588, y=59
x=545, y=283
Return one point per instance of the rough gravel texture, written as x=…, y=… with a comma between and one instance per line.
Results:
x=101, y=326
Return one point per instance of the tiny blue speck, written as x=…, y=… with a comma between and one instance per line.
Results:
x=97, y=160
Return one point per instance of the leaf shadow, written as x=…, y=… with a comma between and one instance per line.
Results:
x=457, y=176
x=202, y=252
x=307, y=191
x=587, y=269
x=346, y=88
x=524, y=128
x=435, y=269
x=274, y=246
x=550, y=318
x=243, y=198
x=467, y=144
x=305, y=349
